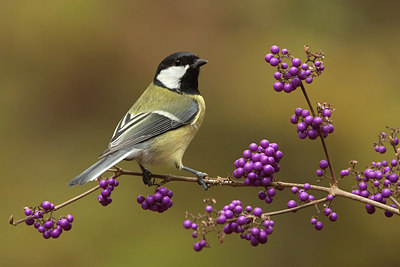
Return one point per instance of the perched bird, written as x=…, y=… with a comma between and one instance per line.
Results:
x=160, y=125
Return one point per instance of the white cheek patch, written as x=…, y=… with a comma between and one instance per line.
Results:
x=171, y=77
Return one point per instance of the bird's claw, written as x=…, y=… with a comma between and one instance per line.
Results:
x=146, y=176
x=200, y=179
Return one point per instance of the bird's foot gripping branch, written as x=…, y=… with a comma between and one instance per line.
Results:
x=377, y=186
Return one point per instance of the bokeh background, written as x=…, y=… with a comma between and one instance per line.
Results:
x=69, y=70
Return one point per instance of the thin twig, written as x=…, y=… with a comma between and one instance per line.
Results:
x=59, y=206
x=314, y=202
x=333, y=190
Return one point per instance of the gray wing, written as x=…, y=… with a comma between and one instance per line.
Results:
x=132, y=130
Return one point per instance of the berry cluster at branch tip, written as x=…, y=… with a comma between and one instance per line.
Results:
x=234, y=218
x=380, y=180
x=108, y=186
x=310, y=126
x=259, y=163
x=328, y=212
x=41, y=217
x=160, y=201
x=290, y=74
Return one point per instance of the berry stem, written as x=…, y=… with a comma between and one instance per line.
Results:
x=394, y=201
x=59, y=206
x=278, y=212
x=328, y=158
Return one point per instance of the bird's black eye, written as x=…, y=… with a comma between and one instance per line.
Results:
x=177, y=62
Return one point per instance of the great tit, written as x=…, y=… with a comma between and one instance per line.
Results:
x=160, y=125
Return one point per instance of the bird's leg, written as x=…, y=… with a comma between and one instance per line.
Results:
x=146, y=175
x=200, y=176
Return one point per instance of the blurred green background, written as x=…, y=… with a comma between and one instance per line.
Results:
x=69, y=70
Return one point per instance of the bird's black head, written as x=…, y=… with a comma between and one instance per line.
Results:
x=179, y=72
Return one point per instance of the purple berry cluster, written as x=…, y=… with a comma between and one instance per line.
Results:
x=309, y=126
x=160, y=201
x=48, y=226
x=332, y=216
x=267, y=195
x=302, y=194
x=380, y=181
x=247, y=222
x=235, y=218
x=108, y=186
x=290, y=74
x=323, y=164
x=259, y=163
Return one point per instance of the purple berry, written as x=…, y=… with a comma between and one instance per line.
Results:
x=287, y=87
x=305, y=113
x=257, y=212
x=203, y=243
x=105, y=193
x=382, y=149
x=221, y=219
x=303, y=196
x=309, y=120
x=294, y=189
x=274, y=62
x=393, y=178
x=318, y=226
x=253, y=147
x=317, y=63
x=28, y=211
x=312, y=134
x=187, y=224
x=274, y=49
x=294, y=119
x=330, y=197
x=268, y=57
x=309, y=79
x=46, y=205
x=103, y=184
x=317, y=121
x=209, y=209
x=278, y=86
x=293, y=71
x=386, y=193
x=296, y=62
x=291, y=204
x=327, y=211
x=298, y=111
x=333, y=217
x=247, y=154
x=326, y=113
x=271, y=192
x=319, y=173
x=344, y=172
x=30, y=221
x=301, y=127
x=140, y=199
x=396, y=141
x=197, y=247
x=362, y=185
x=313, y=221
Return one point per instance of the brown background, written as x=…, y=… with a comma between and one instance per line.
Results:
x=70, y=70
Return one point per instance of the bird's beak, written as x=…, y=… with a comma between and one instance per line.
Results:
x=199, y=62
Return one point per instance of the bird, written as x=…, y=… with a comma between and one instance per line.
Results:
x=158, y=128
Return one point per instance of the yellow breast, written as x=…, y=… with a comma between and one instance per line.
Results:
x=170, y=146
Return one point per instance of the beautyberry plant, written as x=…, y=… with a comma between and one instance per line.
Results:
x=377, y=185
